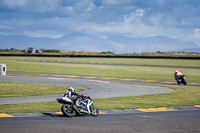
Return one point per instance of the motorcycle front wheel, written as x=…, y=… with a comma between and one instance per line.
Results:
x=67, y=110
x=184, y=81
x=94, y=110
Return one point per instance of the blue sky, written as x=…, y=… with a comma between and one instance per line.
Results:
x=135, y=18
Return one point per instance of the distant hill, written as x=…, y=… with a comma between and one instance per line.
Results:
x=86, y=42
x=153, y=44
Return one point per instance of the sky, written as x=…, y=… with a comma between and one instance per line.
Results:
x=134, y=18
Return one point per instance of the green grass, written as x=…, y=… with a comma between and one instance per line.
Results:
x=138, y=61
x=109, y=71
x=181, y=96
x=16, y=89
x=30, y=107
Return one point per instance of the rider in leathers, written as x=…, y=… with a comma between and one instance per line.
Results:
x=71, y=94
x=177, y=76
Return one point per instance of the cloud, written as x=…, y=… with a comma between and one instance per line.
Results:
x=195, y=36
x=130, y=29
x=134, y=16
x=48, y=6
x=4, y=27
x=171, y=18
x=14, y=3
x=43, y=33
x=197, y=33
x=115, y=2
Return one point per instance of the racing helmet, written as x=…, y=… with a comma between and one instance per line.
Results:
x=176, y=71
x=71, y=89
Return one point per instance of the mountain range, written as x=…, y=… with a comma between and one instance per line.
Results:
x=87, y=42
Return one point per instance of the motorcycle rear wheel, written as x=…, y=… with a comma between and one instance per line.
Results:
x=94, y=110
x=67, y=110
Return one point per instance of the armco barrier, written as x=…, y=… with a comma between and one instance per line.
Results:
x=101, y=56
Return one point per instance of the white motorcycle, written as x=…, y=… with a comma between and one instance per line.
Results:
x=85, y=107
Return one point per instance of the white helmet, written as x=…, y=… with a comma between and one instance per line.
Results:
x=71, y=89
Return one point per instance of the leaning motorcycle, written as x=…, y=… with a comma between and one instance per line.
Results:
x=85, y=107
x=181, y=80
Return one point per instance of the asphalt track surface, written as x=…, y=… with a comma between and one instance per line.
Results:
x=101, y=79
x=94, y=88
x=154, y=122
x=183, y=121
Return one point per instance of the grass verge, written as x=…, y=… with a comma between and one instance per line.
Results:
x=181, y=96
x=138, y=61
x=108, y=71
x=18, y=89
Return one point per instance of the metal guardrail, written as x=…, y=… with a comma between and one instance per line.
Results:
x=101, y=56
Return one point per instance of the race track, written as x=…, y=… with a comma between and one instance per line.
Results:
x=153, y=122
x=101, y=79
x=94, y=88
x=184, y=120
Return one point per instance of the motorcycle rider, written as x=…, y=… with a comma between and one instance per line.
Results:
x=76, y=103
x=177, y=76
x=71, y=94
